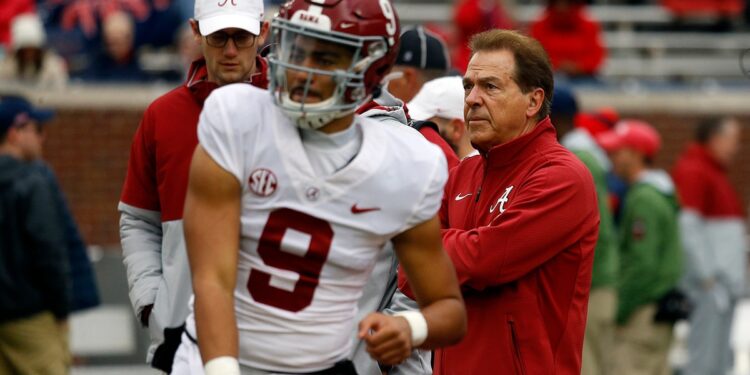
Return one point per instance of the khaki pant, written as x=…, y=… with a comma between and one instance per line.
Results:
x=37, y=345
x=598, y=344
x=642, y=346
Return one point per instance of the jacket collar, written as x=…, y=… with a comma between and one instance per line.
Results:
x=543, y=134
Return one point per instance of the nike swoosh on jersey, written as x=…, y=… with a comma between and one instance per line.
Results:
x=357, y=210
x=460, y=197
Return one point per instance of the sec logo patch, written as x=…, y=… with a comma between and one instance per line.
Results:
x=263, y=182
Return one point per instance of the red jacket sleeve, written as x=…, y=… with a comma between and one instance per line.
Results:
x=550, y=212
x=434, y=137
x=140, y=188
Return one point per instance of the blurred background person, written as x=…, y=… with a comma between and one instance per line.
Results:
x=422, y=57
x=595, y=123
x=651, y=255
x=84, y=292
x=30, y=61
x=712, y=221
x=442, y=101
x=598, y=343
x=571, y=38
x=724, y=14
x=35, y=287
x=117, y=61
x=472, y=17
x=8, y=11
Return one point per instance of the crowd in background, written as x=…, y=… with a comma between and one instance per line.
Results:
x=51, y=42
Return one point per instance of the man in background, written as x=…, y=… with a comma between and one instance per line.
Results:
x=154, y=191
x=441, y=101
x=35, y=287
x=651, y=259
x=598, y=343
x=422, y=57
x=713, y=237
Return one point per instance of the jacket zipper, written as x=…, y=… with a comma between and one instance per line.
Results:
x=516, y=348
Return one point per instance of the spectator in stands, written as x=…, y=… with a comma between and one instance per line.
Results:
x=598, y=342
x=29, y=61
x=472, y=17
x=117, y=61
x=421, y=57
x=35, y=287
x=156, y=183
x=9, y=10
x=572, y=39
x=713, y=236
x=723, y=12
x=650, y=250
x=441, y=101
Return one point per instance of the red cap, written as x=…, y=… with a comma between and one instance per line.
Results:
x=635, y=134
x=599, y=121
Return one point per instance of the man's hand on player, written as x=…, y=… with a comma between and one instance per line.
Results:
x=388, y=338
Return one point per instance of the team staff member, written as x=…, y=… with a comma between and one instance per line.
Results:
x=154, y=191
x=520, y=221
x=712, y=223
x=649, y=246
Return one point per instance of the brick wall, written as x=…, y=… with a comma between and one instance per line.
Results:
x=89, y=151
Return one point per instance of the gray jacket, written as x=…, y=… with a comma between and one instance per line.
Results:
x=381, y=286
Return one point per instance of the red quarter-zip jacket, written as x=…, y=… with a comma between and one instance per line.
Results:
x=520, y=224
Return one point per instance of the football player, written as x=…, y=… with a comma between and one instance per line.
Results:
x=291, y=198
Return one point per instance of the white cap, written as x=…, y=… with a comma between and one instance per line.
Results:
x=214, y=15
x=441, y=97
x=26, y=30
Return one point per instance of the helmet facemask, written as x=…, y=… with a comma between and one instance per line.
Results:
x=294, y=44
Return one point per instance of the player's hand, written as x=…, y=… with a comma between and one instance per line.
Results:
x=388, y=338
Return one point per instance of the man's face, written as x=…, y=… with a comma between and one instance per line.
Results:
x=726, y=143
x=118, y=36
x=29, y=138
x=316, y=54
x=226, y=61
x=447, y=130
x=495, y=108
x=623, y=161
x=405, y=87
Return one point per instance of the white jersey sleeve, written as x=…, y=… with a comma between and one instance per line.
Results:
x=432, y=197
x=219, y=138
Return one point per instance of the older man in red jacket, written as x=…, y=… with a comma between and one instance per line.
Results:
x=520, y=221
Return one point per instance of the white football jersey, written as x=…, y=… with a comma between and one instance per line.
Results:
x=308, y=242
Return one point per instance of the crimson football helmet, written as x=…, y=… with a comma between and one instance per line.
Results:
x=369, y=28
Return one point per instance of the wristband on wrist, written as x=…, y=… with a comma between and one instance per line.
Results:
x=418, y=325
x=222, y=366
